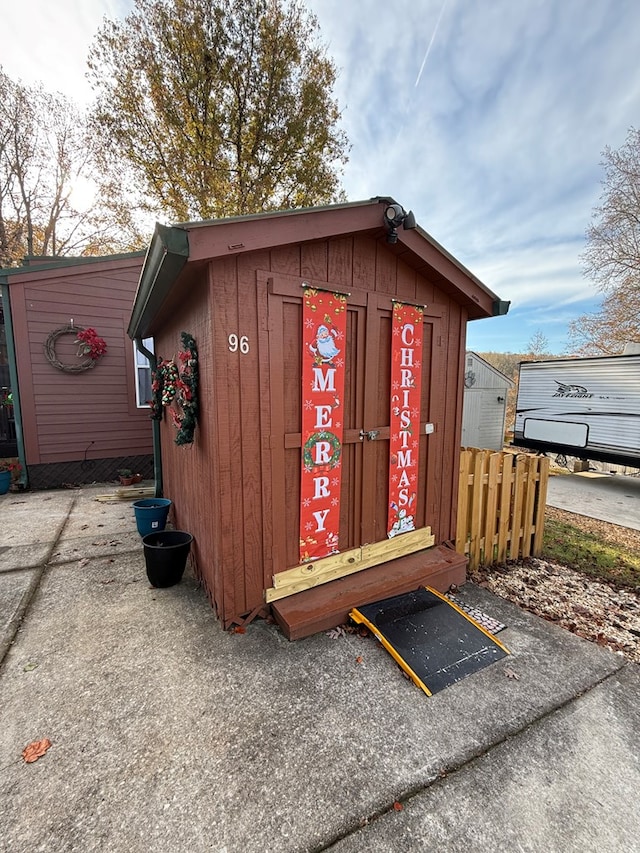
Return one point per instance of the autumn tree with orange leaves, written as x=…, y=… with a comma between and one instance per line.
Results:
x=212, y=108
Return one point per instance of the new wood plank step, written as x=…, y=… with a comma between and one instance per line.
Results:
x=327, y=606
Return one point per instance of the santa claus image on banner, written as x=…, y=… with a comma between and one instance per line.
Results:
x=323, y=348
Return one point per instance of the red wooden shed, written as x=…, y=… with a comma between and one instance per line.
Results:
x=76, y=421
x=246, y=289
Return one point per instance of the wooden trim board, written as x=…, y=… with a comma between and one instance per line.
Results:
x=329, y=604
x=348, y=562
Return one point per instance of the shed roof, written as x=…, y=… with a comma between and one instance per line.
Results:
x=503, y=377
x=173, y=247
x=33, y=266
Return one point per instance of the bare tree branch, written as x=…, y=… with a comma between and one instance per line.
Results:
x=612, y=256
x=46, y=153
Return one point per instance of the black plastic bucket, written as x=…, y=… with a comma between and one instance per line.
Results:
x=151, y=514
x=165, y=555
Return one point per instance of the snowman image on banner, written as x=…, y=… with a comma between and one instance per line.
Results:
x=403, y=522
x=323, y=348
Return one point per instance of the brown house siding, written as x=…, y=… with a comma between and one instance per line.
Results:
x=70, y=417
x=237, y=487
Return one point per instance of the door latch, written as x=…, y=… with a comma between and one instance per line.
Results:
x=370, y=435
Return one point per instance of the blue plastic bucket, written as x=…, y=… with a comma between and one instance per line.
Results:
x=151, y=515
x=5, y=482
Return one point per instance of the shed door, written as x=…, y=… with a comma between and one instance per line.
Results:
x=365, y=453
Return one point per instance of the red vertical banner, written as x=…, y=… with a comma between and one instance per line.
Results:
x=406, y=375
x=324, y=325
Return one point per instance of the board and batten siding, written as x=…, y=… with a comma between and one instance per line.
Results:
x=191, y=477
x=227, y=489
x=93, y=414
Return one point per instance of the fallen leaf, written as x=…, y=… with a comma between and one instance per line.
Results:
x=511, y=674
x=398, y=806
x=83, y=563
x=336, y=633
x=35, y=750
x=239, y=629
x=359, y=659
x=29, y=667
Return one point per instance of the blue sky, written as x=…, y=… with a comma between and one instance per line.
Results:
x=487, y=118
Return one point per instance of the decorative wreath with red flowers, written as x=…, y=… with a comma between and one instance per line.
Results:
x=175, y=387
x=91, y=344
x=91, y=347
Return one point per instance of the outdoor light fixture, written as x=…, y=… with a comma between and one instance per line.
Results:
x=394, y=216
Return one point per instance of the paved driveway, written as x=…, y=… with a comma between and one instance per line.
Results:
x=609, y=497
x=169, y=734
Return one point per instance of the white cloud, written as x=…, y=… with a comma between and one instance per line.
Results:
x=496, y=150
x=45, y=42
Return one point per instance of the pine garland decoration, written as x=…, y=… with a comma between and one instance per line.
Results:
x=187, y=390
x=175, y=387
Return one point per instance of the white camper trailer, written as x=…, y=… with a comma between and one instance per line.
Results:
x=584, y=407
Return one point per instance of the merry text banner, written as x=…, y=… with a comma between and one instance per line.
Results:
x=323, y=372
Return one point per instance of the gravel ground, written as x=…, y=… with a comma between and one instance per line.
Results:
x=591, y=609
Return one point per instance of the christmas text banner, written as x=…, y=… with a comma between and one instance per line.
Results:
x=324, y=323
x=406, y=376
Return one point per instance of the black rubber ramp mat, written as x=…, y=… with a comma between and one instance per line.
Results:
x=435, y=642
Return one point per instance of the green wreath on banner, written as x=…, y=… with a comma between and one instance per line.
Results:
x=307, y=450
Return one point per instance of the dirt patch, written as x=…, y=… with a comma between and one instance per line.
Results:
x=600, y=612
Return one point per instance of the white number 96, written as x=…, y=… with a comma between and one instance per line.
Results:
x=238, y=343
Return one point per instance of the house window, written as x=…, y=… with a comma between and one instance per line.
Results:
x=143, y=374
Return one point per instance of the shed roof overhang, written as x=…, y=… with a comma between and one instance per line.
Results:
x=171, y=248
x=166, y=256
x=35, y=267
